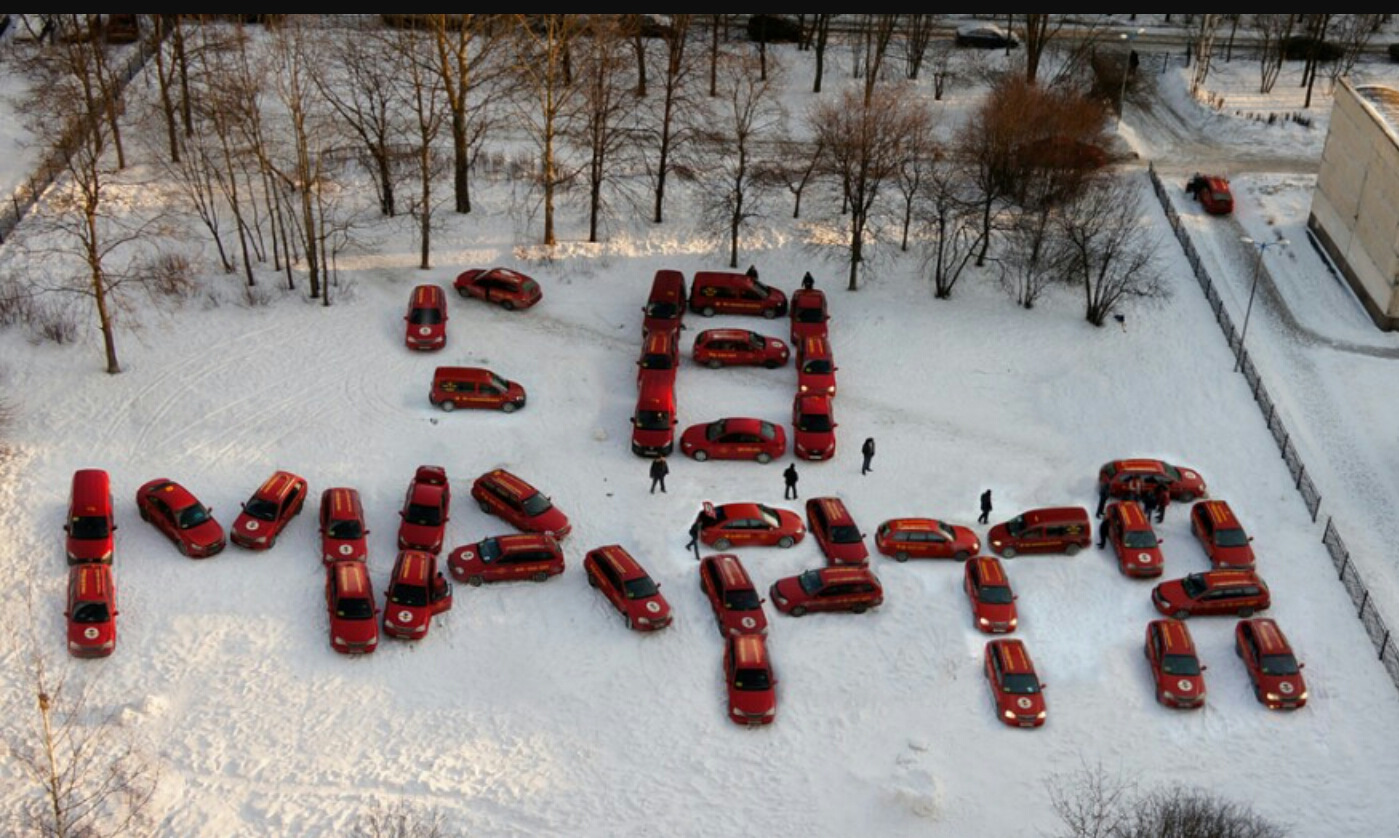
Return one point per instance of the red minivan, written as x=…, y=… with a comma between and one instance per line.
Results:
x=665, y=307
x=653, y=423
x=417, y=591
x=90, y=525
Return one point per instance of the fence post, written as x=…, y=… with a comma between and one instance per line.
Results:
x=1326, y=531
x=1344, y=564
x=1364, y=601
x=1300, y=471
x=1384, y=644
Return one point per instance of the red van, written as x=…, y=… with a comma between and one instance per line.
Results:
x=1059, y=529
x=90, y=525
x=724, y=292
x=665, y=307
x=653, y=423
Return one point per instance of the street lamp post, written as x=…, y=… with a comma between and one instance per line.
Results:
x=1253, y=289
x=1129, y=37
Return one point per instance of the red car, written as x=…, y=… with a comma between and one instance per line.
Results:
x=854, y=589
x=1175, y=668
x=349, y=604
x=268, y=511
x=343, y=529
x=925, y=538
x=835, y=531
x=660, y=358
x=1222, y=536
x=809, y=316
x=1272, y=667
x=180, y=515
x=534, y=556
x=665, y=306
x=625, y=584
x=816, y=367
x=1128, y=529
x=736, y=438
x=749, y=525
x=1015, y=687
x=717, y=348
x=751, y=684
x=91, y=611
x=90, y=525
x=474, y=387
x=988, y=590
x=814, y=426
x=425, y=510
x=1239, y=592
x=737, y=607
x=1121, y=476
x=426, y=321
x=1053, y=529
x=417, y=591
x=1213, y=193
x=511, y=290
x=521, y=505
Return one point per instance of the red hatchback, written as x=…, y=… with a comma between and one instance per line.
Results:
x=501, y=493
x=836, y=532
x=349, y=605
x=1175, y=668
x=630, y=589
x=511, y=290
x=180, y=515
x=809, y=315
x=925, y=538
x=1133, y=540
x=417, y=591
x=1272, y=667
x=90, y=525
x=1239, y=592
x=1122, y=475
x=425, y=510
x=988, y=590
x=749, y=525
x=1222, y=536
x=854, y=589
x=1016, y=690
x=814, y=426
x=751, y=684
x=343, y=529
x=278, y=500
x=502, y=558
x=91, y=611
x=426, y=320
x=737, y=438
x=737, y=607
x=717, y=348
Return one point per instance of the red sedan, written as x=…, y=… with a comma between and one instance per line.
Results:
x=734, y=347
x=752, y=524
x=511, y=290
x=736, y=438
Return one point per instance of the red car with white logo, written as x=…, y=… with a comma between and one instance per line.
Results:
x=855, y=589
x=988, y=591
x=1133, y=540
x=91, y=611
x=278, y=500
x=737, y=607
x=1016, y=690
x=1122, y=476
x=809, y=317
x=91, y=523
x=749, y=525
x=511, y=290
x=751, y=684
x=502, y=558
x=630, y=589
x=1272, y=667
x=426, y=321
x=1222, y=536
x=1175, y=668
x=1240, y=592
x=181, y=517
x=839, y=537
x=425, y=510
x=814, y=426
x=350, y=607
x=925, y=538
x=417, y=592
x=501, y=493
x=735, y=438
x=343, y=529
x=717, y=348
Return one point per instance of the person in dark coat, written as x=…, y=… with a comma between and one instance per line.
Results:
x=868, y=451
x=789, y=477
x=1102, y=535
x=752, y=271
x=1163, y=499
x=659, y=469
x=1102, y=496
x=1148, y=501
x=808, y=281
x=694, y=534
x=985, y=507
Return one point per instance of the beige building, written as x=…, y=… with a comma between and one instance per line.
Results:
x=1355, y=208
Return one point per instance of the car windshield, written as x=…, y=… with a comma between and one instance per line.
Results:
x=742, y=600
x=88, y=526
x=845, y=534
x=656, y=361
x=810, y=581
x=757, y=342
x=1015, y=526
x=714, y=430
x=1172, y=473
x=358, y=608
x=767, y=430
x=639, y=588
x=653, y=420
x=1139, y=538
x=752, y=679
x=663, y=311
x=997, y=595
x=814, y=422
x=348, y=528
x=536, y=504
x=1279, y=665
x=947, y=529
x=1180, y=665
x=1193, y=585
x=425, y=317
x=762, y=289
x=1021, y=683
x=1219, y=195
x=528, y=288
x=488, y=550
x=91, y=612
x=809, y=314
x=263, y=510
x=499, y=383
x=817, y=366
x=411, y=595
x=192, y=516
x=1231, y=538
x=423, y=515
x=769, y=517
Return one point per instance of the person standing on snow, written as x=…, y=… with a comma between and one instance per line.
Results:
x=789, y=477
x=659, y=469
x=868, y=451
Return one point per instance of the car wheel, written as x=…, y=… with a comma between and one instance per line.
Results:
x=1008, y=553
x=508, y=305
x=592, y=580
x=475, y=581
x=182, y=547
x=715, y=364
x=722, y=544
x=626, y=621
x=707, y=311
x=1072, y=549
x=764, y=458
x=145, y=516
x=901, y=556
x=448, y=405
x=961, y=555
x=859, y=609
x=798, y=610
x=461, y=290
x=786, y=541
x=541, y=576
x=770, y=313
x=1245, y=613
x=772, y=365
x=1238, y=651
x=508, y=407
x=700, y=455
x=1182, y=614
x=485, y=507
x=1187, y=497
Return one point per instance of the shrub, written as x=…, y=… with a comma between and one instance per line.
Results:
x=1299, y=47
x=54, y=322
x=170, y=275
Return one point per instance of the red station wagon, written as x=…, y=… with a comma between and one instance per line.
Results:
x=735, y=438
x=343, y=529
x=988, y=591
x=1133, y=540
x=426, y=509
x=1222, y=536
x=724, y=292
x=501, y=558
x=1175, y=668
x=660, y=357
x=350, y=607
x=90, y=525
x=737, y=607
x=498, y=492
x=665, y=307
x=417, y=591
x=511, y=290
x=925, y=538
x=1239, y=592
x=1185, y=484
x=475, y=387
x=653, y=423
x=717, y=348
x=816, y=368
x=749, y=524
x=630, y=589
x=268, y=511
x=91, y=611
x=814, y=426
x=180, y=515
x=809, y=317
x=1272, y=668
x=426, y=320
x=1015, y=687
x=835, y=531
x=751, y=684
x=855, y=589
x=1057, y=529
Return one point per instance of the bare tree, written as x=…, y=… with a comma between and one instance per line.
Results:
x=605, y=123
x=1108, y=250
x=820, y=37
x=1316, y=35
x=1091, y=802
x=544, y=67
x=800, y=163
x=674, y=121
x=466, y=64
x=988, y=143
x=426, y=103
x=879, y=31
x=1032, y=258
x=950, y=217
x=864, y=138
x=292, y=59
x=1040, y=30
x=910, y=177
x=1352, y=33
x=1273, y=31
x=1202, y=43
x=920, y=30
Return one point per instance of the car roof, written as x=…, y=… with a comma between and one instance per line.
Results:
x=278, y=485
x=1175, y=637
x=1219, y=511
x=1143, y=466
x=621, y=561
x=413, y=566
x=175, y=495
x=833, y=508
x=741, y=509
x=1054, y=513
x=1133, y=516
x=815, y=403
x=1015, y=658
x=808, y=297
x=343, y=501
x=92, y=580
x=513, y=485
x=351, y=577
x=743, y=423
x=726, y=334
x=749, y=650
x=913, y=524
x=991, y=570
x=426, y=492
x=428, y=296
x=1269, y=637
x=527, y=541
x=462, y=373
x=731, y=570
x=815, y=345
x=838, y=574
x=1231, y=577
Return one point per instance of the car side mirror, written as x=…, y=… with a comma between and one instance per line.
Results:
x=116, y=613
x=67, y=613
x=400, y=513
x=65, y=528
x=1301, y=666
x=114, y=528
x=242, y=504
x=1250, y=538
x=1203, y=667
x=367, y=532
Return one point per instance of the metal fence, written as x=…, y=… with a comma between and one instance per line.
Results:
x=1370, y=617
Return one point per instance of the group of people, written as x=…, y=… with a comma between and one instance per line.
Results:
x=1154, y=497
